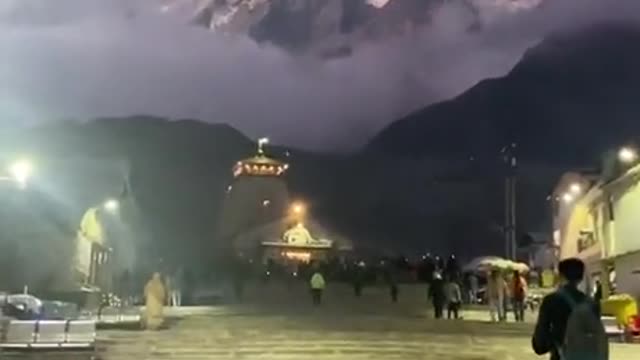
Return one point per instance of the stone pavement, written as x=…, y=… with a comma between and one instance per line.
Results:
x=322, y=335
x=283, y=325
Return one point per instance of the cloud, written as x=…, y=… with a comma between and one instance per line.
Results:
x=87, y=58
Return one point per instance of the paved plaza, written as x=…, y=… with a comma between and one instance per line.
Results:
x=343, y=328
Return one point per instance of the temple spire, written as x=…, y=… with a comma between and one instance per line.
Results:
x=261, y=143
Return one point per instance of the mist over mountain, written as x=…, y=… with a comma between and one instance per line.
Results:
x=428, y=182
x=331, y=28
x=83, y=59
x=570, y=99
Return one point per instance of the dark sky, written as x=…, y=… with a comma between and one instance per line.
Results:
x=86, y=58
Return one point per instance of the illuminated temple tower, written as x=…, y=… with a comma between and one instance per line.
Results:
x=258, y=220
x=257, y=196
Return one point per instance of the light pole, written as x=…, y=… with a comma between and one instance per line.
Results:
x=627, y=155
x=20, y=172
x=575, y=189
x=298, y=211
x=111, y=205
x=510, y=159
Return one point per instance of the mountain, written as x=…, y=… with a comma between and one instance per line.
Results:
x=328, y=28
x=179, y=172
x=568, y=100
x=431, y=181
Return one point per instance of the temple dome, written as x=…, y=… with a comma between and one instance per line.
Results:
x=260, y=164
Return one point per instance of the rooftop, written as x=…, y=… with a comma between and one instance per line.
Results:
x=260, y=164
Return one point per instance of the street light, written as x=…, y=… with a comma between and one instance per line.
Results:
x=112, y=205
x=297, y=208
x=567, y=198
x=627, y=155
x=575, y=188
x=21, y=171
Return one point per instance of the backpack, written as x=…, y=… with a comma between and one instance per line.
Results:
x=585, y=337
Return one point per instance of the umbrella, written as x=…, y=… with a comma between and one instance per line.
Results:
x=482, y=263
x=521, y=267
x=488, y=263
x=501, y=264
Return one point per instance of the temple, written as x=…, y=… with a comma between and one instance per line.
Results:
x=258, y=219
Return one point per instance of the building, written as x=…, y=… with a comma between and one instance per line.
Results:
x=257, y=196
x=293, y=240
x=596, y=219
x=259, y=221
x=537, y=248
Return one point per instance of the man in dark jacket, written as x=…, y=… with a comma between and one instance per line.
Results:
x=437, y=294
x=555, y=310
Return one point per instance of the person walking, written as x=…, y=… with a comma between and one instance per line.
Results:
x=358, y=279
x=569, y=325
x=495, y=295
x=437, y=294
x=393, y=289
x=168, y=288
x=317, y=287
x=392, y=281
x=124, y=285
x=238, y=277
x=473, y=286
x=597, y=292
x=454, y=299
x=518, y=295
x=173, y=291
x=155, y=297
x=178, y=283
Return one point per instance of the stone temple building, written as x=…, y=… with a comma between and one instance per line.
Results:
x=258, y=219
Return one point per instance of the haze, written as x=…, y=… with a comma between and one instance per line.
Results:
x=81, y=59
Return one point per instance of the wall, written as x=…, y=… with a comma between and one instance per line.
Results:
x=243, y=209
x=628, y=274
x=627, y=221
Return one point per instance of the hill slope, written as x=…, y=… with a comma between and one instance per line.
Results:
x=567, y=100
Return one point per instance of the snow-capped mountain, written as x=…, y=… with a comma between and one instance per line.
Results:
x=329, y=27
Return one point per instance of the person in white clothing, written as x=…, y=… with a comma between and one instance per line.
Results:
x=495, y=294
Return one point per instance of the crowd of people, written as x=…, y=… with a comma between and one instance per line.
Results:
x=503, y=291
x=447, y=287
x=568, y=325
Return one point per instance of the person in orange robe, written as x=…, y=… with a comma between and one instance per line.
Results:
x=155, y=296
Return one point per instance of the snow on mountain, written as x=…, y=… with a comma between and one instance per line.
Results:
x=327, y=27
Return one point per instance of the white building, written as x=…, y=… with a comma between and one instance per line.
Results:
x=598, y=221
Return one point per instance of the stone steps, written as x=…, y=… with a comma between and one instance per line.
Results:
x=300, y=349
x=310, y=337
